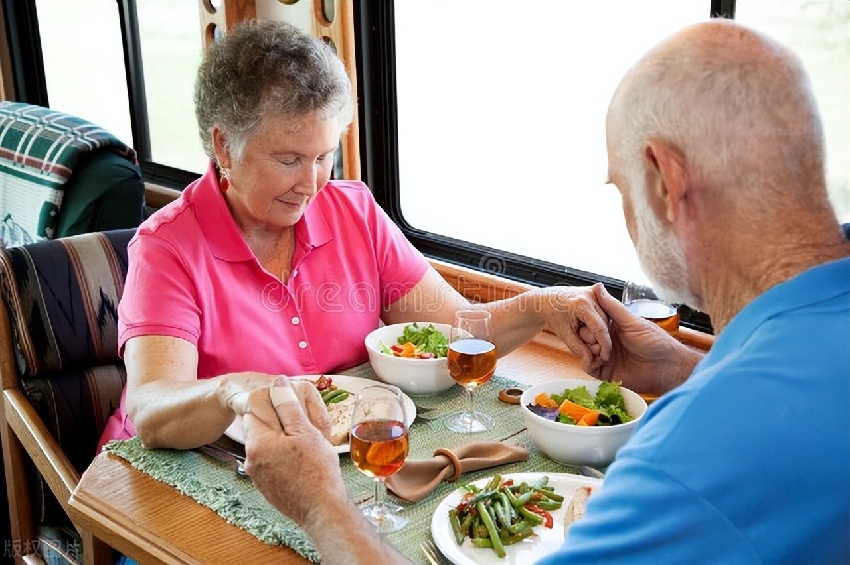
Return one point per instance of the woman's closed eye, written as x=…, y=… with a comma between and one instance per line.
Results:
x=295, y=161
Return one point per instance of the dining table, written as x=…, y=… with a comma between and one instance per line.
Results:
x=182, y=506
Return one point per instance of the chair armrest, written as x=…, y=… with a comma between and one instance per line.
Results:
x=158, y=196
x=40, y=445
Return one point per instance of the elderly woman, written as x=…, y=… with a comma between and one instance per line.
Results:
x=264, y=266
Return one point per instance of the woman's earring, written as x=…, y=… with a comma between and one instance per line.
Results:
x=224, y=181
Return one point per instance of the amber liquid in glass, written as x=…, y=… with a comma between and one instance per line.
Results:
x=660, y=313
x=379, y=447
x=471, y=361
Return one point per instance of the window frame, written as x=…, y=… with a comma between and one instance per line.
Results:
x=376, y=64
x=378, y=134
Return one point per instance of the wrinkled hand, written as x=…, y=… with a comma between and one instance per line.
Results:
x=286, y=455
x=644, y=357
x=575, y=316
x=308, y=397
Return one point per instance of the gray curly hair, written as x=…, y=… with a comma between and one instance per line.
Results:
x=267, y=69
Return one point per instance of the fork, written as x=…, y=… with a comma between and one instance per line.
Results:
x=433, y=554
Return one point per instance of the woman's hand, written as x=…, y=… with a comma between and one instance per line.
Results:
x=574, y=315
x=644, y=357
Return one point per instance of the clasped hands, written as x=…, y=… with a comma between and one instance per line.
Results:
x=287, y=433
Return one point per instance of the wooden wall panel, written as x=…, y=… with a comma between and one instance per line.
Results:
x=228, y=14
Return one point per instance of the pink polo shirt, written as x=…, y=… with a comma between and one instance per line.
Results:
x=192, y=276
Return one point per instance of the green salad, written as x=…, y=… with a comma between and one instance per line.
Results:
x=577, y=406
x=419, y=343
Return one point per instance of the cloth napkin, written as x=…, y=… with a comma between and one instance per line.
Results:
x=417, y=478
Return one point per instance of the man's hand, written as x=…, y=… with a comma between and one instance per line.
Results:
x=644, y=357
x=305, y=392
x=289, y=461
x=286, y=454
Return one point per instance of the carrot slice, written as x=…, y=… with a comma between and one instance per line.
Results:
x=408, y=350
x=583, y=416
x=543, y=400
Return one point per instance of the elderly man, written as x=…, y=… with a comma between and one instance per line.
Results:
x=715, y=144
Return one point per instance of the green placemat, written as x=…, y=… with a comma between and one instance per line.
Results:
x=235, y=499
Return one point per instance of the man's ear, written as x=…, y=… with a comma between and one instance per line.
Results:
x=667, y=176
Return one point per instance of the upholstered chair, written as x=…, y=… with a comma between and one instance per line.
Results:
x=61, y=377
x=62, y=175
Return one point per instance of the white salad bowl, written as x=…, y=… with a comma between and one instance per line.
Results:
x=579, y=445
x=413, y=376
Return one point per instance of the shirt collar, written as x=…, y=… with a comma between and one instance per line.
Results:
x=820, y=283
x=223, y=235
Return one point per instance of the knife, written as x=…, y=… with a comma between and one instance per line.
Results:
x=233, y=460
x=591, y=472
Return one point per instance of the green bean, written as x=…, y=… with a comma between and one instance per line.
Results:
x=537, y=519
x=480, y=495
x=494, y=483
x=549, y=494
x=511, y=498
x=524, y=498
x=520, y=527
x=519, y=536
x=507, y=508
x=455, y=522
x=340, y=393
x=502, y=513
x=548, y=504
x=491, y=529
x=466, y=524
x=495, y=516
x=541, y=482
x=343, y=394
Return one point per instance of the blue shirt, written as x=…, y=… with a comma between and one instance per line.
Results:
x=749, y=460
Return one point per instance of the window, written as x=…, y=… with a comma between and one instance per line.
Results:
x=84, y=62
x=501, y=110
x=501, y=132
x=482, y=123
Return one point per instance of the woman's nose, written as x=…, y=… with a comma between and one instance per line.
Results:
x=308, y=180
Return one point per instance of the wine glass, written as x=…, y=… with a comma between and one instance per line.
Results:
x=642, y=301
x=472, y=360
x=379, y=444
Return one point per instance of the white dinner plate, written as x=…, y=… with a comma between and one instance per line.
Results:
x=352, y=385
x=528, y=550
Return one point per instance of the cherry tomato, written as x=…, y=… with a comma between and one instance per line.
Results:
x=323, y=382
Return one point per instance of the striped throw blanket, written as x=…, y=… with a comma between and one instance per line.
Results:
x=39, y=150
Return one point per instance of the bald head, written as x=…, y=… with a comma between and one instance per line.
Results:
x=737, y=104
x=716, y=144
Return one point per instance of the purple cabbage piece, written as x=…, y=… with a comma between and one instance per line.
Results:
x=548, y=413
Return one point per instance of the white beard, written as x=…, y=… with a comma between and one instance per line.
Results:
x=660, y=254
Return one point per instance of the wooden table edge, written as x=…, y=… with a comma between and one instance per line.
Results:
x=136, y=539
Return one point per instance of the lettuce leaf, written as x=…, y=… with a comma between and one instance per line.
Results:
x=426, y=338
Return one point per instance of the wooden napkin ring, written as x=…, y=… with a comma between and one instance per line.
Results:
x=510, y=395
x=455, y=462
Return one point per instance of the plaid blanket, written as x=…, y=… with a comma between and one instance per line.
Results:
x=39, y=150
